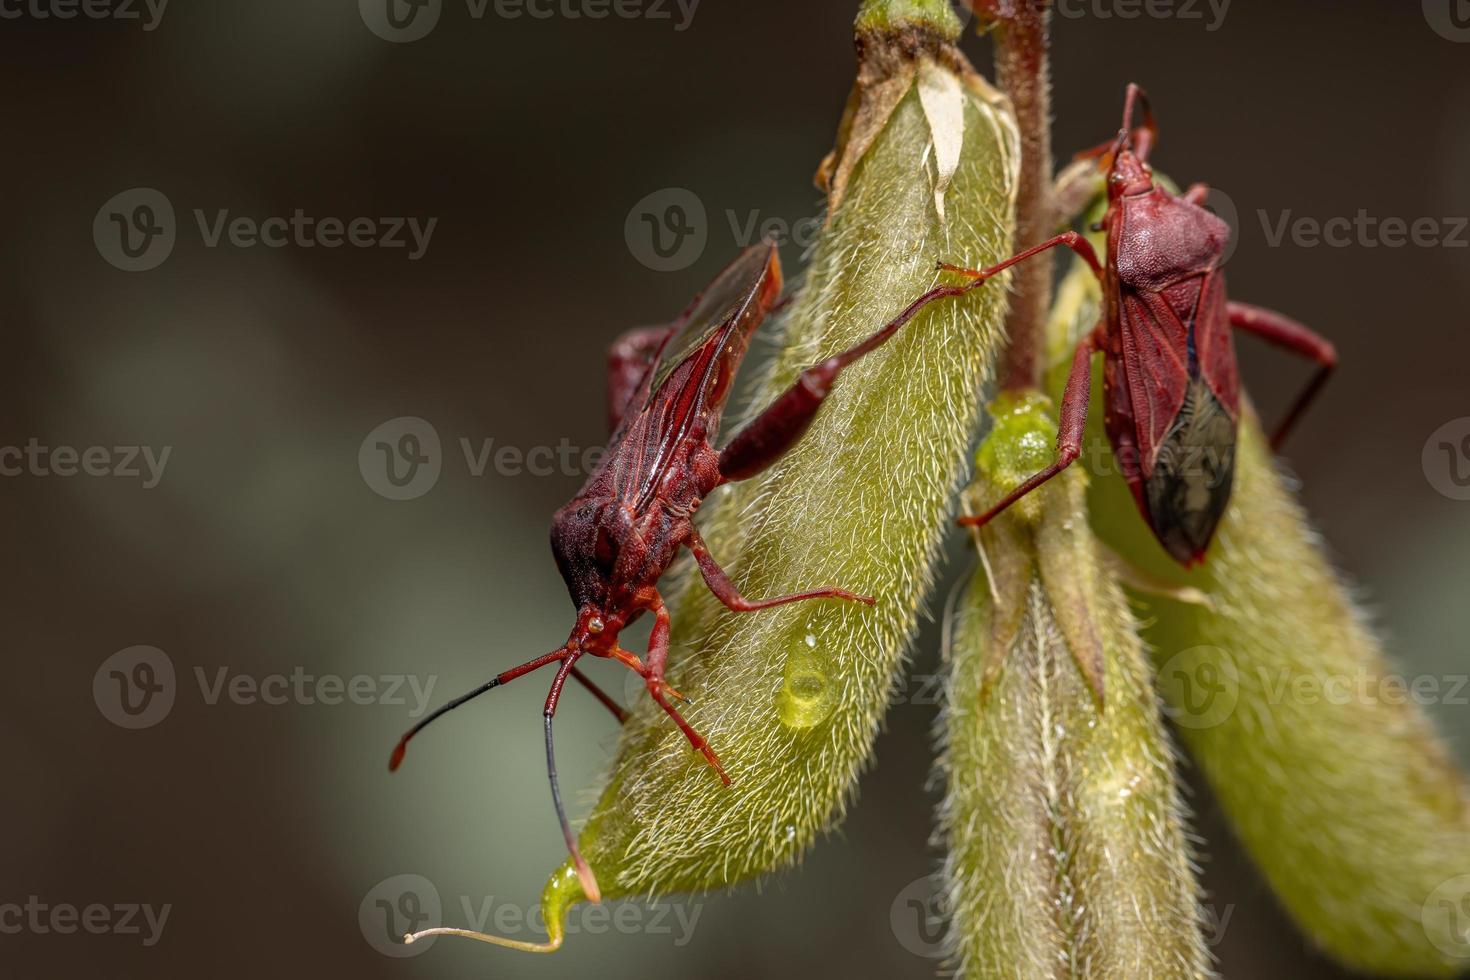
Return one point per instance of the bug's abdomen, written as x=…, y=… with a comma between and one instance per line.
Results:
x=1188, y=487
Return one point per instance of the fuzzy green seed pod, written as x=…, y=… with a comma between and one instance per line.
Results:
x=1067, y=852
x=1330, y=772
x=791, y=698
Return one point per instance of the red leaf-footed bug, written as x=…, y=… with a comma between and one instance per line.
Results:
x=1170, y=383
x=615, y=539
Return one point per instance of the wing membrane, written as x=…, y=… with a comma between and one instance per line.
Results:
x=716, y=308
x=703, y=335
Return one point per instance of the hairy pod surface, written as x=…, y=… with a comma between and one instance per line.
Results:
x=1067, y=851
x=792, y=698
x=1332, y=776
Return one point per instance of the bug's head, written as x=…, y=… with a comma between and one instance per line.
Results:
x=1129, y=172
x=586, y=549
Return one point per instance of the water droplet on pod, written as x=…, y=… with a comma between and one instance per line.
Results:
x=807, y=695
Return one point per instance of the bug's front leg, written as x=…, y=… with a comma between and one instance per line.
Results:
x=1287, y=333
x=726, y=591
x=1067, y=239
x=658, y=688
x=627, y=363
x=1072, y=422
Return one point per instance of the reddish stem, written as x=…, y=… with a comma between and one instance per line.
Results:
x=1023, y=72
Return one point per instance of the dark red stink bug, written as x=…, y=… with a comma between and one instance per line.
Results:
x=1171, y=387
x=667, y=388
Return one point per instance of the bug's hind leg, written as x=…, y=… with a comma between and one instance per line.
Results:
x=728, y=593
x=1286, y=332
x=601, y=695
x=783, y=422
x=628, y=360
x=1197, y=194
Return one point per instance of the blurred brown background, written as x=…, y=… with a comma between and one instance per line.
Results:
x=263, y=550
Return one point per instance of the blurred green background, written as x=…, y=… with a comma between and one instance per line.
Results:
x=537, y=145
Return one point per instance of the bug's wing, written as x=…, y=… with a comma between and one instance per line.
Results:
x=718, y=308
x=1185, y=428
x=1155, y=345
x=1214, y=343
x=709, y=337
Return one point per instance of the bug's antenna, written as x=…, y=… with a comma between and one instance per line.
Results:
x=396, y=759
x=1143, y=142
x=584, y=870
